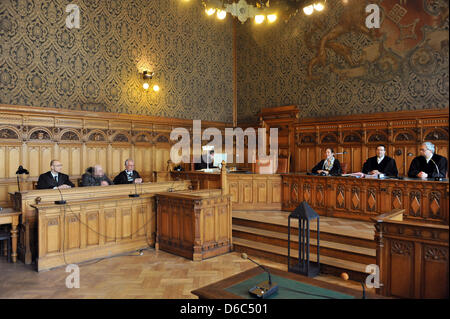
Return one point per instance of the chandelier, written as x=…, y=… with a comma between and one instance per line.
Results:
x=261, y=10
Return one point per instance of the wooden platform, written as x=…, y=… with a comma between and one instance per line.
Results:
x=345, y=245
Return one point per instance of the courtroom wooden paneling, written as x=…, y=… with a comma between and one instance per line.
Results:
x=195, y=224
x=248, y=191
x=33, y=136
x=89, y=229
x=348, y=197
x=358, y=136
x=413, y=258
x=23, y=202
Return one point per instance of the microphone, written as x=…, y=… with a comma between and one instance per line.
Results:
x=62, y=201
x=263, y=289
x=438, y=178
x=344, y=152
x=135, y=192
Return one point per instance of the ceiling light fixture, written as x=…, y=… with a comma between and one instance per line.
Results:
x=259, y=9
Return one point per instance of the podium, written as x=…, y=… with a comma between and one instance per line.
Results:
x=194, y=224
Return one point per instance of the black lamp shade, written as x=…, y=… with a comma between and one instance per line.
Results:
x=22, y=170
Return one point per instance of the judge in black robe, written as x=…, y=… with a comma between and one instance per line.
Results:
x=204, y=164
x=420, y=165
x=328, y=166
x=386, y=166
x=129, y=175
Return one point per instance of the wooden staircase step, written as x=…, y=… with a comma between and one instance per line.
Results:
x=323, y=243
x=240, y=245
x=354, y=233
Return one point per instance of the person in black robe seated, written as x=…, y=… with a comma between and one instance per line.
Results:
x=204, y=164
x=54, y=178
x=428, y=164
x=329, y=165
x=129, y=175
x=380, y=164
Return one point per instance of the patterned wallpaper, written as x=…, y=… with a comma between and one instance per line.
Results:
x=43, y=63
x=331, y=64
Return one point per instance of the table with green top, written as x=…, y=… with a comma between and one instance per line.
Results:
x=290, y=286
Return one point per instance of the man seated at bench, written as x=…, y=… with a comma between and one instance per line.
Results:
x=129, y=175
x=54, y=178
x=95, y=176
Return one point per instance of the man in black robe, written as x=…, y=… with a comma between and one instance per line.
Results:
x=428, y=164
x=54, y=178
x=380, y=164
x=129, y=175
x=204, y=164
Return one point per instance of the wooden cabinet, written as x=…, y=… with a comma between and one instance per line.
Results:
x=195, y=224
x=413, y=258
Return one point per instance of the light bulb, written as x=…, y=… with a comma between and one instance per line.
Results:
x=221, y=14
x=156, y=88
x=318, y=6
x=259, y=18
x=210, y=11
x=308, y=10
x=272, y=18
x=145, y=86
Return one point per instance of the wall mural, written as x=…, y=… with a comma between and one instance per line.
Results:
x=332, y=64
x=96, y=68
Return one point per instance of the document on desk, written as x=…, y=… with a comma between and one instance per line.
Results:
x=357, y=175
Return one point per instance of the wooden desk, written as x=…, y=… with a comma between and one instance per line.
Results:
x=363, y=198
x=218, y=290
x=23, y=202
x=9, y=216
x=194, y=224
x=88, y=229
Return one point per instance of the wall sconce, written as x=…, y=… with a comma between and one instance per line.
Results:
x=146, y=75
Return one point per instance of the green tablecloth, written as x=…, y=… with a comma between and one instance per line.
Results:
x=287, y=289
